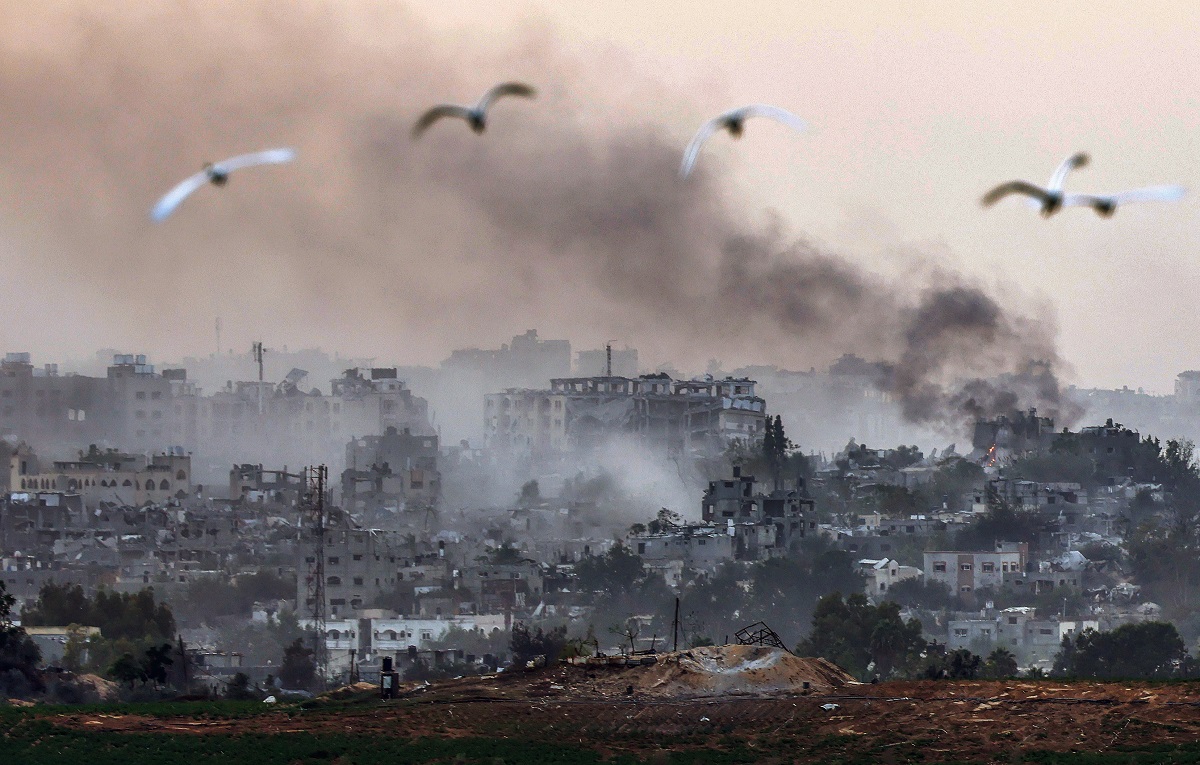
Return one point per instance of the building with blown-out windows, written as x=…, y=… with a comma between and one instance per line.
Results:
x=105, y=475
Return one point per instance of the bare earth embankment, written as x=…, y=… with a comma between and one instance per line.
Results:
x=734, y=704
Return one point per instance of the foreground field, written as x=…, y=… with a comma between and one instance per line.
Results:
x=541, y=717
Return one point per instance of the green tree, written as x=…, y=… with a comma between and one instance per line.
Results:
x=239, y=689
x=211, y=597
x=118, y=615
x=298, y=670
x=962, y=665
x=618, y=570
x=1001, y=523
x=666, y=519
x=127, y=669
x=527, y=644
x=863, y=639
x=775, y=448
x=128, y=623
x=1000, y=664
x=155, y=662
x=1148, y=650
x=923, y=593
x=19, y=655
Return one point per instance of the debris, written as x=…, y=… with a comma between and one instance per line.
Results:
x=269, y=700
x=829, y=707
x=759, y=634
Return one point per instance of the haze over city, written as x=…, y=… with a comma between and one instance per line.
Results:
x=599, y=381
x=375, y=245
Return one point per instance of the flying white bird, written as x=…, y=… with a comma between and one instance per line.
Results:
x=1048, y=199
x=217, y=173
x=1106, y=204
x=475, y=116
x=734, y=121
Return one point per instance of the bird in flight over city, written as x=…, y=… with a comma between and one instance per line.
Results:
x=1049, y=199
x=475, y=116
x=734, y=121
x=217, y=173
x=1106, y=204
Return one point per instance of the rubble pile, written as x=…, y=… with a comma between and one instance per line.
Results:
x=737, y=669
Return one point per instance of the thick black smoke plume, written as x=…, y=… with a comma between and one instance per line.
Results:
x=560, y=216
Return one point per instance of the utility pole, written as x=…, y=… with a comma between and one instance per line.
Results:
x=258, y=356
x=314, y=509
x=675, y=626
x=183, y=661
x=608, y=359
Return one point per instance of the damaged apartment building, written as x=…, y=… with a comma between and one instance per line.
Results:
x=431, y=577
x=738, y=522
x=678, y=417
x=391, y=473
x=104, y=476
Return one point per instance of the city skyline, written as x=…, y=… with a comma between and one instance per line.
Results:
x=897, y=100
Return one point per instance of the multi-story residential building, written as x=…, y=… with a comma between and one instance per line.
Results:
x=297, y=427
x=105, y=476
x=254, y=485
x=393, y=635
x=369, y=638
x=761, y=524
x=679, y=417
x=360, y=565
x=130, y=406
x=525, y=361
x=1033, y=641
x=696, y=547
x=879, y=575
x=967, y=572
x=1022, y=432
x=397, y=470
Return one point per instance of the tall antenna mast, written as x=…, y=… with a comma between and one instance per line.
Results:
x=608, y=359
x=258, y=356
x=218, y=337
x=314, y=511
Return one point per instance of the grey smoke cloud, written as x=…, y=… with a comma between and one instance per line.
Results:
x=564, y=215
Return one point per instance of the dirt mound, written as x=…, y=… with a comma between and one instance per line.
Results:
x=101, y=689
x=355, y=691
x=68, y=688
x=734, y=669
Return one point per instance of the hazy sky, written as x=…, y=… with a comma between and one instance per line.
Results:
x=918, y=108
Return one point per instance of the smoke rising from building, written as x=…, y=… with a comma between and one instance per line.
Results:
x=565, y=214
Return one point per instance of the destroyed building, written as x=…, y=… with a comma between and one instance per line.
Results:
x=395, y=471
x=254, y=485
x=762, y=524
x=1017, y=433
x=693, y=417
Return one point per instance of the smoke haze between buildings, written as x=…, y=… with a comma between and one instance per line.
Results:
x=567, y=214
